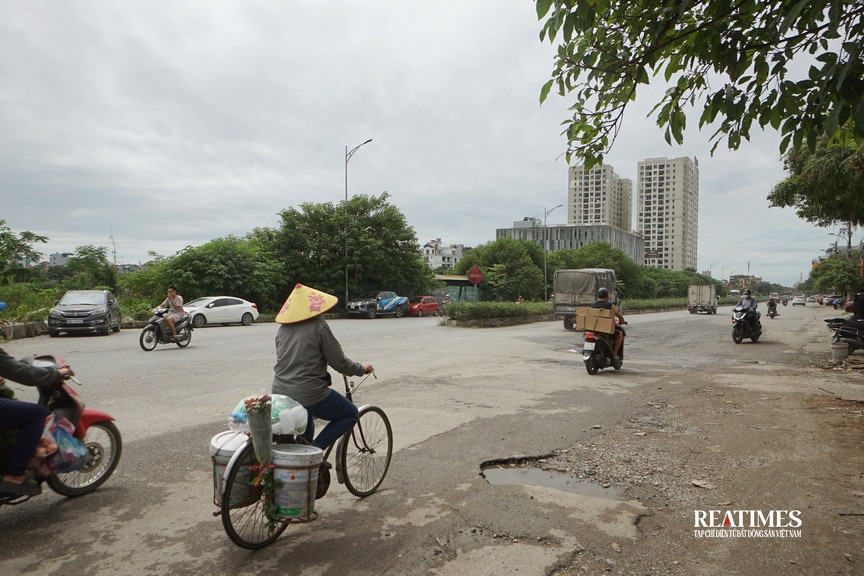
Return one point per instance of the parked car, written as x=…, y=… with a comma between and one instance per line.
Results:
x=829, y=300
x=376, y=303
x=423, y=306
x=81, y=311
x=799, y=301
x=221, y=310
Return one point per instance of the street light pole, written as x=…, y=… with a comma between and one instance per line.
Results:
x=545, y=249
x=348, y=156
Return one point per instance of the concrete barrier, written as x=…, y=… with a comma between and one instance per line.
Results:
x=22, y=330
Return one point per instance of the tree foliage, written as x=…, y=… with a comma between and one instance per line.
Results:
x=825, y=185
x=89, y=268
x=382, y=250
x=837, y=275
x=510, y=269
x=735, y=57
x=226, y=266
x=16, y=249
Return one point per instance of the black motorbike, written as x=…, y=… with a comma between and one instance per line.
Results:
x=157, y=331
x=597, y=351
x=847, y=330
x=746, y=324
x=772, y=310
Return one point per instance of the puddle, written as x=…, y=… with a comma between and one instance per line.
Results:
x=508, y=475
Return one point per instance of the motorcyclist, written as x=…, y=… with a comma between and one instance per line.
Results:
x=748, y=301
x=772, y=305
x=27, y=418
x=174, y=303
x=603, y=302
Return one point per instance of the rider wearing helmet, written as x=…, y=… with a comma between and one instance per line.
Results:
x=603, y=302
x=748, y=301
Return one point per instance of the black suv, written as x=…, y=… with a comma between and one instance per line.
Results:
x=85, y=311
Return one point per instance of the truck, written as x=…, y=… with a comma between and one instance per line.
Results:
x=702, y=298
x=573, y=288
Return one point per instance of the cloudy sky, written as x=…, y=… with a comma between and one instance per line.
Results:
x=169, y=124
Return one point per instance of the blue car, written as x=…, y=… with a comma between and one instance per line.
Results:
x=372, y=304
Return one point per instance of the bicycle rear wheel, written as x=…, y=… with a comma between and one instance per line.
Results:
x=243, y=506
x=364, y=452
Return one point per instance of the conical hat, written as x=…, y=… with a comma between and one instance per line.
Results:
x=304, y=303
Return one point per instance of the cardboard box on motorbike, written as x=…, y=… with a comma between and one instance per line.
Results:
x=594, y=319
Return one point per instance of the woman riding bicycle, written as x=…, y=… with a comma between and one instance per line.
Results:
x=305, y=346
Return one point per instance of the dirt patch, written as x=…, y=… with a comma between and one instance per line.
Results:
x=715, y=447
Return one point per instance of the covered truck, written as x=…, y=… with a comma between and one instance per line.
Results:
x=574, y=288
x=702, y=298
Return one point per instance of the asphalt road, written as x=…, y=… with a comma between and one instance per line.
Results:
x=456, y=398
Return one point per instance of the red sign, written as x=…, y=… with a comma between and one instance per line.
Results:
x=475, y=276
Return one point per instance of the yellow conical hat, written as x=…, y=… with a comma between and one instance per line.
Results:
x=304, y=303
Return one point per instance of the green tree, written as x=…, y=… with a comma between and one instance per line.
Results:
x=89, y=268
x=509, y=267
x=383, y=252
x=837, y=275
x=825, y=185
x=15, y=251
x=225, y=266
x=598, y=255
x=607, y=49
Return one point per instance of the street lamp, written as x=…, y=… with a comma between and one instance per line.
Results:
x=545, y=249
x=348, y=155
x=711, y=269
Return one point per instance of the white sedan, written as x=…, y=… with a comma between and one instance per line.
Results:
x=221, y=310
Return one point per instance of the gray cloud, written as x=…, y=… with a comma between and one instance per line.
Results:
x=174, y=123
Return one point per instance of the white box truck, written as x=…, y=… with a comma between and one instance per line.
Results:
x=702, y=298
x=572, y=288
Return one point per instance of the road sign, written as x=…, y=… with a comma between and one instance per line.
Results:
x=475, y=276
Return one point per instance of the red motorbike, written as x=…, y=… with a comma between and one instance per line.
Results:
x=96, y=429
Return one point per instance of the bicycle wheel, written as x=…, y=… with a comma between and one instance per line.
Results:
x=364, y=452
x=243, y=515
x=105, y=447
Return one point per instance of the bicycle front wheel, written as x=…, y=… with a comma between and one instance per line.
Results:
x=243, y=505
x=365, y=452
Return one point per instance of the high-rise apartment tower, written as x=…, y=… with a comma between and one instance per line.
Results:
x=599, y=196
x=668, y=211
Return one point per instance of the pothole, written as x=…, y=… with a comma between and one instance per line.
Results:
x=520, y=473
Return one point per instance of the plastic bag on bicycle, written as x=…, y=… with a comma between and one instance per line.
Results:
x=288, y=416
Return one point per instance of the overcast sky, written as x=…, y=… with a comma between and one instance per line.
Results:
x=174, y=123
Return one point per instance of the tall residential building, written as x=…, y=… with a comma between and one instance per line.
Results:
x=668, y=211
x=599, y=196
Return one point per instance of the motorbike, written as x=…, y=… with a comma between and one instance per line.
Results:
x=848, y=330
x=157, y=332
x=745, y=324
x=597, y=352
x=785, y=301
x=772, y=310
x=96, y=429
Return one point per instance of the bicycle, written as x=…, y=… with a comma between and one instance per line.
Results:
x=362, y=459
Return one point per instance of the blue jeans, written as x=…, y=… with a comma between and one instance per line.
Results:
x=29, y=420
x=340, y=413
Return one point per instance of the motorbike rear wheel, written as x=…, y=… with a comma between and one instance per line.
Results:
x=105, y=447
x=591, y=366
x=149, y=339
x=184, y=336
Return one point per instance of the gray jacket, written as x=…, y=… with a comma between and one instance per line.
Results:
x=303, y=351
